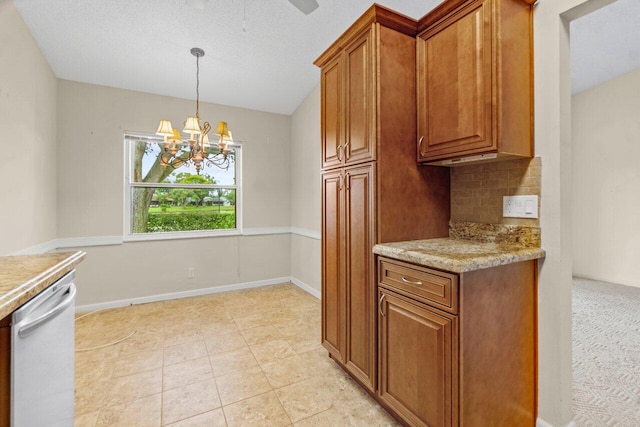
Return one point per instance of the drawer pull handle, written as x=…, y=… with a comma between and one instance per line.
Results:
x=347, y=152
x=411, y=282
x=420, y=145
x=339, y=152
x=380, y=305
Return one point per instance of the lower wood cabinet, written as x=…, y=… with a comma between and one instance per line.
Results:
x=5, y=370
x=417, y=355
x=348, y=304
x=457, y=349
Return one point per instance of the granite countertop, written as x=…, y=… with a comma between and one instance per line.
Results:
x=23, y=277
x=458, y=255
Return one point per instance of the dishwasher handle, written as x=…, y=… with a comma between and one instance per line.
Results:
x=31, y=326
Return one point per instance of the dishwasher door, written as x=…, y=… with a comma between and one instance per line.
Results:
x=42, y=358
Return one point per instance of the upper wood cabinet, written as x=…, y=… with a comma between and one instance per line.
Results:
x=331, y=108
x=360, y=104
x=475, y=81
x=348, y=105
x=352, y=68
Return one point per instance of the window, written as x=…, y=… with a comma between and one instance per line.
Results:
x=164, y=202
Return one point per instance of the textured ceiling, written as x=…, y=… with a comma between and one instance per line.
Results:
x=605, y=44
x=144, y=45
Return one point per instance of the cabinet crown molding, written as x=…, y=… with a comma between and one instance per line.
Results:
x=447, y=7
x=375, y=14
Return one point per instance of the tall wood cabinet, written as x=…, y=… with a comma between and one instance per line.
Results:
x=475, y=80
x=372, y=189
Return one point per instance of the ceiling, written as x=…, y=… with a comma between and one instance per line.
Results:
x=605, y=44
x=264, y=61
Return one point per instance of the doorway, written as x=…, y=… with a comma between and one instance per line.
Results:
x=605, y=131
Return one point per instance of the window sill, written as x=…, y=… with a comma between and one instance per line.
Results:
x=181, y=235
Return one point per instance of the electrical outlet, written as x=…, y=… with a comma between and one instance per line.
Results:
x=508, y=206
x=191, y=273
x=520, y=206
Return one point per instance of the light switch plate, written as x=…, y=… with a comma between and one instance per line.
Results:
x=520, y=206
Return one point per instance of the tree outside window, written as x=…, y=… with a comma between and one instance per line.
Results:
x=165, y=200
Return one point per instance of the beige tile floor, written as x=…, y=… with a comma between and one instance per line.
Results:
x=242, y=358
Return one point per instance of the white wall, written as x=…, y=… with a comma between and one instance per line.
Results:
x=606, y=181
x=140, y=270
x=305, y=191
x=553, y=144
x=28, y=123
x=91, y=123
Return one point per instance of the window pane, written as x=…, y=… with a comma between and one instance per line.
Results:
x=149, y=164
x=158, y=210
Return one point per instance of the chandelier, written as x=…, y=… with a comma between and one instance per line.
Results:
x=197, y=149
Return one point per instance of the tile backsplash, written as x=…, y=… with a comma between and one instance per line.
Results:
x=477, y=190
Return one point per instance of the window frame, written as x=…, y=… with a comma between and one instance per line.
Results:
x=129, y=139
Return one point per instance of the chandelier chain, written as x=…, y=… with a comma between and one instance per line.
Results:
x=198, y=87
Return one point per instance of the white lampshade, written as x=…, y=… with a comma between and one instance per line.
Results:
x=165, y=128
x=225, y=140
x=192, y=126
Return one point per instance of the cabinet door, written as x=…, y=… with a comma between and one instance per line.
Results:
x=5, y=370
x=454, y=85
x=418, y=365
x=331, y=115
x=360, y=348
x=360, y=103
x=333, y=297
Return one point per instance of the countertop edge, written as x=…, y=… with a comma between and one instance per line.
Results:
x=452, y=265
x=27, y=290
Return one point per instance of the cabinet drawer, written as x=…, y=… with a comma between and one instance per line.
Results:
x=436, y=288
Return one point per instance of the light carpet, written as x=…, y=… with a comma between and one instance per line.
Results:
x=606, y=354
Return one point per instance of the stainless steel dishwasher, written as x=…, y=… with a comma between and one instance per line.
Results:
x=42, y=358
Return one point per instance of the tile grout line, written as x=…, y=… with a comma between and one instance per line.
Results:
x=269, y=323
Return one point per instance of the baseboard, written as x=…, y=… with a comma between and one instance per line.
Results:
x=183, y=294
x=198, y=292
x=542, y=423
x=630, y=282
x=306, y=288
